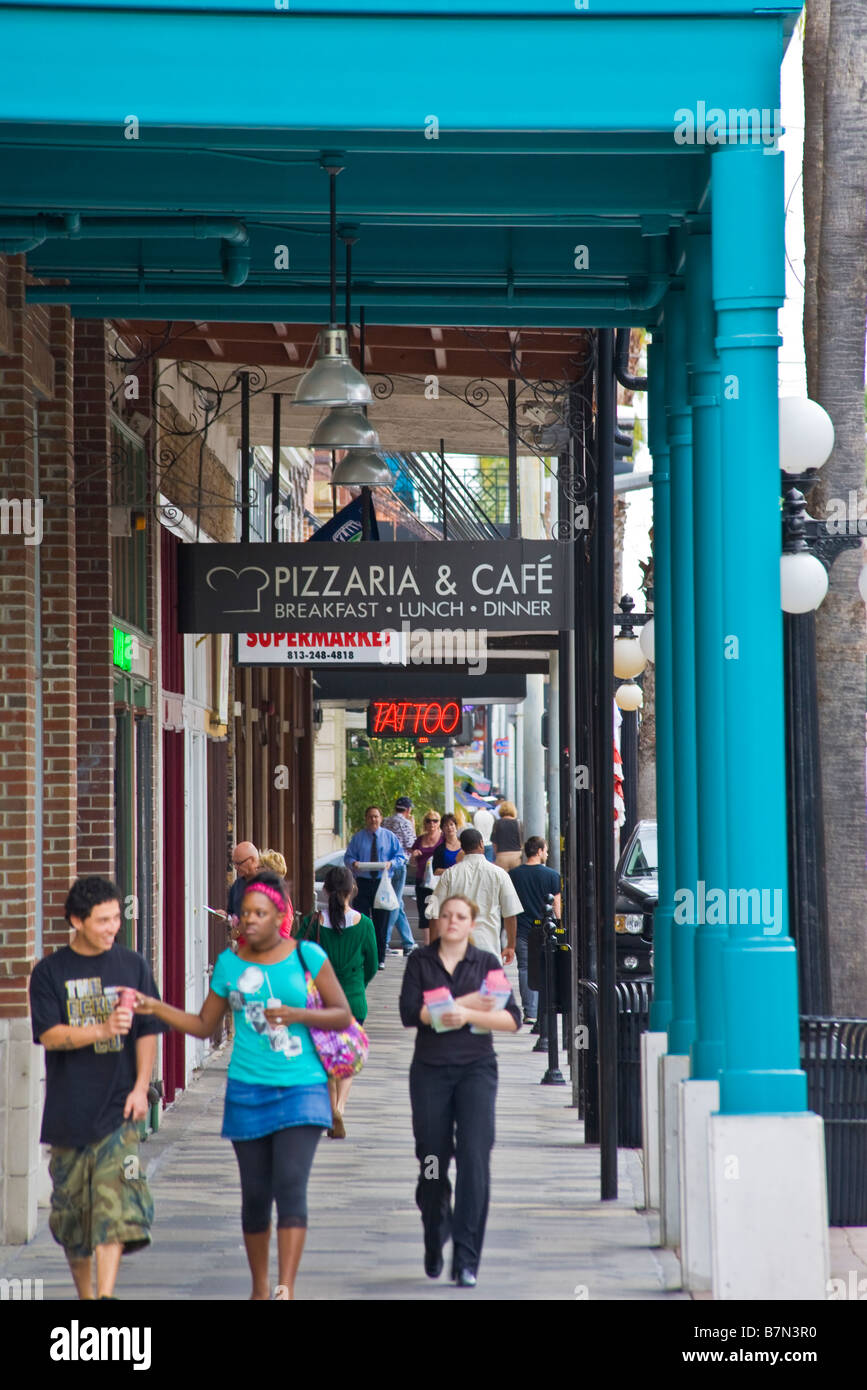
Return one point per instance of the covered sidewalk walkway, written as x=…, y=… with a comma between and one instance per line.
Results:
x=549, y=1236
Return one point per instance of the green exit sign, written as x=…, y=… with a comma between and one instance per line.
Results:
x=122, y=649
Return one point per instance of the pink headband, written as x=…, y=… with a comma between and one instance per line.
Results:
x=277, y=900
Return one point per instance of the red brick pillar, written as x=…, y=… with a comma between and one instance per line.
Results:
x=95, y=719
x=59, y=635
x=18, y=580
x=22, y=357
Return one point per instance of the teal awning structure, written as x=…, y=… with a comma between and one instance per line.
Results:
x=507, y=164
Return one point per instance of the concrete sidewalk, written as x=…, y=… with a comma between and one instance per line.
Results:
x=548, y=1236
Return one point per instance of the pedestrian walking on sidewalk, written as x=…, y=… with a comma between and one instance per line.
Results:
x=277, y=1101
x=507, y=833
x=374, y=845
x=448, y=851
x=487, y=886
x=402, y=826
x=348, y=939
x=453, y=1088
x=99, y=1060
x=421, y=854
x=532, y=881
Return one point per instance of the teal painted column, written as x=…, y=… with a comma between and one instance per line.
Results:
x=760, y=987
x=681, y=1028
x=660, y=1008
x=704, y=394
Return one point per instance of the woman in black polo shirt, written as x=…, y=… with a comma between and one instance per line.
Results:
x=453, y=1088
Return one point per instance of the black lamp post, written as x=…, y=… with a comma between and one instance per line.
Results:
x=806, y=536
x=629, y=701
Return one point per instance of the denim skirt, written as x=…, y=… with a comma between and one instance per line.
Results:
x=252, y=1111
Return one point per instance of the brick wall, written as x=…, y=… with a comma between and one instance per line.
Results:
x=95, y=719
x=18, y=580
x=59, y=634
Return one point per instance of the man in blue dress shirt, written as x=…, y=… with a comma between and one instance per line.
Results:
x=373, y=844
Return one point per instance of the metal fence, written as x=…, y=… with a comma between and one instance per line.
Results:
x=633, y=1019
x=834, y=1056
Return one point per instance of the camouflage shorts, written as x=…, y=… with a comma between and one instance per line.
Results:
x=100, y=1196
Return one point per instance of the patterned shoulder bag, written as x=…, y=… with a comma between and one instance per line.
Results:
x=342, y=1054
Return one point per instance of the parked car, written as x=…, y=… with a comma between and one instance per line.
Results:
x=637, y=891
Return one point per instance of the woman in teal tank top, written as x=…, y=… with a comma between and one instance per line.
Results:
x=277, y=1100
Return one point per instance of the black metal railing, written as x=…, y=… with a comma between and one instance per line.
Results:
x=834, y=1056
x=633, y=1019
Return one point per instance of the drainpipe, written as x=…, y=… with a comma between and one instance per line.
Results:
x=621, y=364
x=19, y=235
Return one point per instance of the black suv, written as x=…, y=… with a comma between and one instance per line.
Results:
x=636, y=897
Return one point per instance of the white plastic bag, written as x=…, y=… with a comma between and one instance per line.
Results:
x=430, y=878
x=386, y=898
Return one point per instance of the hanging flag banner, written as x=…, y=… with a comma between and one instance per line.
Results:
x=345, y=525
x=372, y=586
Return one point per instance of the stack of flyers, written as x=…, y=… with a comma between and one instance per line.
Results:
x=497, y=984
x=439, y=1001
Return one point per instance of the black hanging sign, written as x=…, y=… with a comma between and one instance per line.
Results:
x=494, y=586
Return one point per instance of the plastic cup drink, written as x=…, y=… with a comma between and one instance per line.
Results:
x=274, y=1004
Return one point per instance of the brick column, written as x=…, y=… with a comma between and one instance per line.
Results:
x=59, y=635
x=19, y=1060
x=95, y=718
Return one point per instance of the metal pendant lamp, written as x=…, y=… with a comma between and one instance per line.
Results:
x=332, y=380
x=362, y=468
x=345, y=427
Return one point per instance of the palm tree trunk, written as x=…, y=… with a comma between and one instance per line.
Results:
x=837, y=262
x=818, y=18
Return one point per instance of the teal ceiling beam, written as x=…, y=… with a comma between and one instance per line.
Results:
x=300, y=147
x=308, y=307
x=490, y=316
x=575, y=256
x=435, y=187
x=463, y=71
x=577, y=10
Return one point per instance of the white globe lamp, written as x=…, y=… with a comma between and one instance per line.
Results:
x=629, y=697
x=803, y=582
x=629, y=659
x=806, y=434
x=647, y=640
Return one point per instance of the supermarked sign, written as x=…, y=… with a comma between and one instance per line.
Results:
x=427, y=720
x=373, y=586
x=310, y=648
x=501, y=746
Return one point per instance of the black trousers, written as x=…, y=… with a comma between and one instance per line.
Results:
x=453, y=1117
x=422, y=895
x=273, y=1169
x=363, y=902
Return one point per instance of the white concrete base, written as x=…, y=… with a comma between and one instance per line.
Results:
x=769, y=1212
x=21, y=1076
x=653, y=1046
x=698, y=1100
x=673, y=1069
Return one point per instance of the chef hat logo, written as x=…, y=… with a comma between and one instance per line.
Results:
x=240, y=588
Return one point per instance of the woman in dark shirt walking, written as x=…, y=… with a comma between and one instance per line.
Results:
x=453, y=1088
x=422, y=851
x=507, y=837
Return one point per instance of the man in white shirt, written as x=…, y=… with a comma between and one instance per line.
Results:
x=483, y=820
x=487, y=886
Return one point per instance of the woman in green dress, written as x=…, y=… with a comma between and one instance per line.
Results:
x=348, y=939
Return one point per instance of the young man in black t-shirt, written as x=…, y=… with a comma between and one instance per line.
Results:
x=533, y=881
x=98, y=1063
